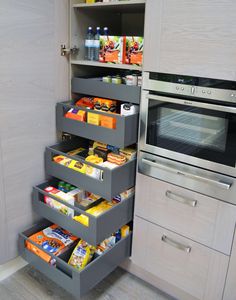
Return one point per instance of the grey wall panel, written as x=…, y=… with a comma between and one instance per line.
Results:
x=33, y=77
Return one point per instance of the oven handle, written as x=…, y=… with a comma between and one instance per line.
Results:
x=219, y=184
x=217, y=107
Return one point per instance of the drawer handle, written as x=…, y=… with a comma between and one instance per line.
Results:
x=219, y=184
x=181, y=199
x=175, y=244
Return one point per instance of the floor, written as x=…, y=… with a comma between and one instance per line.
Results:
x=28, y=284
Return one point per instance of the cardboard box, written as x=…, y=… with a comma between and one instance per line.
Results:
x=94, y=118
x=133, y=50
x=108, y=122
x=112, y=49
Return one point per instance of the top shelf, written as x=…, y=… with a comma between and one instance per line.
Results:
x=119, y=6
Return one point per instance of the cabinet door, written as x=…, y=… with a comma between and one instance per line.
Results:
x=191, y=38
x=33, y=77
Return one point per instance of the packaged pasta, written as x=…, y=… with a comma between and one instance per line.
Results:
x=82, y=255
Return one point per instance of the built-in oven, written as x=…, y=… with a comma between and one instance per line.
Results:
x=189, y=123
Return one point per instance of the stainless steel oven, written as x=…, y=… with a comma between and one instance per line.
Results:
x=189, y=123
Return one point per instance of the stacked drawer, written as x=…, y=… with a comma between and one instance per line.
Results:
x=113, y=182
x=187, y=237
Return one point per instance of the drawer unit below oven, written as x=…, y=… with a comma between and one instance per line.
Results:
x=198, y=217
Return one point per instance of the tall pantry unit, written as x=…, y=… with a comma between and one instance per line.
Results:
x=123, y=18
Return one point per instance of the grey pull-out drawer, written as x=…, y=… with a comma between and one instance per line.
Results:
x=114, y=181
x=97, y=88
x=125, y=133
x=98, y=229
x=76, y=282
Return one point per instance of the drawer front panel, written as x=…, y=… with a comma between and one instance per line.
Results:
x=201, y=218
x=194, y=268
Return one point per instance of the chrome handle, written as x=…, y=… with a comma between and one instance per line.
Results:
x=229, y=109
x=175, y=244
x=181, y=199
x=219, y=184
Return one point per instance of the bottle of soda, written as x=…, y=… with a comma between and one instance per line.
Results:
x=96, y=44
x=61, y=186
x=105, y=31
x=89, y=44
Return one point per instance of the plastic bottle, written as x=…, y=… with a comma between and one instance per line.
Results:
x=61, y=186
x=96, y=44
x=67, y=188
x=89, y=44
x=105, y=31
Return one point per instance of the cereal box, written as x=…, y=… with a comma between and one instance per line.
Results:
x=53, y=239
x=111, y=49
x=133, y=50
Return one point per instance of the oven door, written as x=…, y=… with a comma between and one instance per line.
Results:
x=196, y=133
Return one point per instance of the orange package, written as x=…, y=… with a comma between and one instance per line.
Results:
x=108, y=122
x=53, y=239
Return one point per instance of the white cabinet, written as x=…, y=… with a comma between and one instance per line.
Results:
x=191, y=37
x=194, y=268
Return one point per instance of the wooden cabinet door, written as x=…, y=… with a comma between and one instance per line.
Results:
x=191, y=37
x=33, y=78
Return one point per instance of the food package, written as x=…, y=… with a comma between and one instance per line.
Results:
x=129, y=152
x=92, y=171
x=109, y=165
x=99, y=144
x=125, y=195
x=81, y=255
x=88, y=199
x=85, y=102
x=62, y=160
x=133, y=50
x=105, y=245
x=93, y=118
x=101, y=152
x=72, y=114
x=116, y=159
x=76, y=151
x=53, y=239
x=94, y=211
x=113, y=149
x=77, y=166
x=105, y=105
x=125, y=230
x=108, y=122
x=66, y=197
x=112, y=49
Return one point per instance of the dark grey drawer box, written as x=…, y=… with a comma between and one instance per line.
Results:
x=99, y=227
x=125, y=133
x=114, y=181
x=93, y=87
x=76, y=282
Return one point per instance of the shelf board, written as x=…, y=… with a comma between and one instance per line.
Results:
x=106, y=65
x=119, y=6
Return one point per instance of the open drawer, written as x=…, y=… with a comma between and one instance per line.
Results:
x=76, y=282
x=98, y=88
x=125, y=133
x=113, y=182
x=98, y=229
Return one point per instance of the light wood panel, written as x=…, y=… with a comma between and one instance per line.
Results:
x=201, y=273
x=192, y=38
x=33, y=78
x=210, y=222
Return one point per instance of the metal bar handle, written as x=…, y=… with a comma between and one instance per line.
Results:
x=219, y=184
x=175, y=244
x=181, y=199
x=229, y=109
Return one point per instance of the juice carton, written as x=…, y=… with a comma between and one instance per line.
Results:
x=133, y=50
x=112, y=49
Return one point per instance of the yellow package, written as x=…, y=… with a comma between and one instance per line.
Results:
x=77, y=166
x=99, y=144
x=75, y=151
x=94, y=211
x=81, y=255
x=93, y=119
x=125, y=231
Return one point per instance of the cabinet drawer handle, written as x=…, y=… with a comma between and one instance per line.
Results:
x=181, y=199
x=175, y=244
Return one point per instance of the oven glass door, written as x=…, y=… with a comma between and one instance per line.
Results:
x=198, y=130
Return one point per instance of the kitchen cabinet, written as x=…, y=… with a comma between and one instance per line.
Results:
x=190, y=37
x=34, y=77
